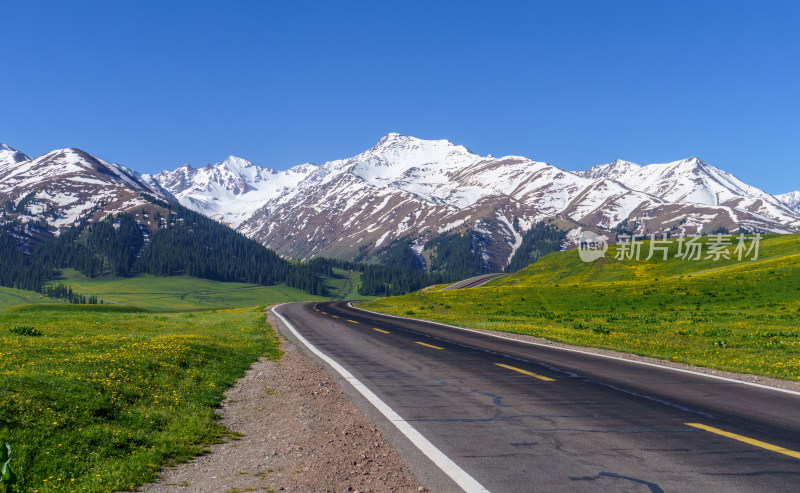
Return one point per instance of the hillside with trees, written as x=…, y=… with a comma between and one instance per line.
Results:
x=183, y=242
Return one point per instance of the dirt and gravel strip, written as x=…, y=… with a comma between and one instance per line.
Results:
x=301, y=433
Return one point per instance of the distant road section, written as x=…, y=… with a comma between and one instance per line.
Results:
x=474, y=282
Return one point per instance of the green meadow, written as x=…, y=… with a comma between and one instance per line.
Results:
x=12, y=297
x=729, y=314
x=344, y=285
x=107, y=395
x=110, y=393
x=181, y=292
x=97, y=398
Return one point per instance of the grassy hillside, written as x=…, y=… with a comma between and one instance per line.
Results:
x=181, y=292
x=734, y=315
x=344, y=285
x=12, y=297
x=107, y=395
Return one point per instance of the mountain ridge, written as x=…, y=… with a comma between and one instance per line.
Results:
x=791, y=199
x=409, y=187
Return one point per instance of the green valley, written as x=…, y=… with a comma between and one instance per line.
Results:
x=181, y=292
x=741, y=316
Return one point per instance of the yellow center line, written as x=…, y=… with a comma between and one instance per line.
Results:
x=757, y=443
x=352, y=321
x=324, y=313
x=428, y=345
x=334, y=316
x=540, y=377
x=380, y=330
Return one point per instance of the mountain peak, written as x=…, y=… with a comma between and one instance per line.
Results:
x=615, y=170
x=234, y=163
x=393, y=136
x=791, y=199
x=394, y=142
x=9, y=155
x=394, y=139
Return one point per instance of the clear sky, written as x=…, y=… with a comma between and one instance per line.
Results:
x=153, y=85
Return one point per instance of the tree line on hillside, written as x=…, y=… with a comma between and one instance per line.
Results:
x=188, y=243
x=198, y=246
x=542, y=238
x=17, y=269
x=454, y=256
x=60, y=291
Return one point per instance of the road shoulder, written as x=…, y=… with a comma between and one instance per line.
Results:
x=300, y=432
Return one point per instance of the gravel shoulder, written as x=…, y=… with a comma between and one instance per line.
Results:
x=300, y=433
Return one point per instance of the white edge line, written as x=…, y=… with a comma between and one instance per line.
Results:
x=646, y=363
x=461, y=477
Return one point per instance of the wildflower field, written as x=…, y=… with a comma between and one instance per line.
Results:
x=107, y=395
x=729, y=314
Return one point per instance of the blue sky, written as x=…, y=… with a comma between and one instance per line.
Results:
x=153, y=85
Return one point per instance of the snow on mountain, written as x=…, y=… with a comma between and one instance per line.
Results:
x=693, y=181
x=791, y=200
x=612, y=171
x=229, y=191
x=64, y=184
x=10, y=156
x=404, y=186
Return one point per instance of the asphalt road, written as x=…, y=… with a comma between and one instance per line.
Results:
x=474, y=282
x=520, y=417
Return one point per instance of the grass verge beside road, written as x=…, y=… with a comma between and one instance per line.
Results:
x=108, y=395
x=739, y=316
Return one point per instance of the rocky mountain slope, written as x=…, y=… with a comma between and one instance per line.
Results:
x=409, y=188
x=231, y=190
x=695, y=182
x=791, y=199
x=60, y=186
x=405, y=186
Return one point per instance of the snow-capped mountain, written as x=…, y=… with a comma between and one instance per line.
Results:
x=64, y=184
x=613, y=171
x=10, y=156
x=791, y=200
x=692, y=181
x=231, y=190
x=404, y=186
